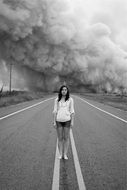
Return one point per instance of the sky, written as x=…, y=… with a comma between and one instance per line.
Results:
x=81, y=41
x=113, y=13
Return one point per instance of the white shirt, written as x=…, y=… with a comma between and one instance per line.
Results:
x=63, y=109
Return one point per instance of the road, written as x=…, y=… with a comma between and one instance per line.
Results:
x=28, y=154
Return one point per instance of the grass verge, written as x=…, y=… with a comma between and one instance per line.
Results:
x=113, y=100
x=16, y=97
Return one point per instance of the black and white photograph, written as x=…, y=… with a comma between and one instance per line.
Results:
x=63, y=95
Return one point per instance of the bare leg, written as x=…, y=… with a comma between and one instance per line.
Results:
x=60, y=139
x=66, y=139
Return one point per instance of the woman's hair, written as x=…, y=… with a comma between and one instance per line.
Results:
x=60, y=93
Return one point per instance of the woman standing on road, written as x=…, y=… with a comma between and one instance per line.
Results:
x=63, y=119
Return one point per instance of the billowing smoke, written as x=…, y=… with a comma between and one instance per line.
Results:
x=51, y=41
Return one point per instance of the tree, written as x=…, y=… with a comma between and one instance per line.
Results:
x=1, y=91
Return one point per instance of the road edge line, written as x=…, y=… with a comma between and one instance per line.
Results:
x=125, y=121
x=6, y=116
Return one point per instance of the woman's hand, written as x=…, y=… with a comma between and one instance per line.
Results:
x=71, y=125
x=54, y=125
x=72, y=120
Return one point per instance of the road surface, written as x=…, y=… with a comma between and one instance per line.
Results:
x=97, y=151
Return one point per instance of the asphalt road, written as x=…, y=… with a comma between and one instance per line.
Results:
x=28, y=145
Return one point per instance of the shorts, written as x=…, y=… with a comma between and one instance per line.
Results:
x=63, y=124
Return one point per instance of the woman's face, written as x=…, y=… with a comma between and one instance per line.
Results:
x=64, y=91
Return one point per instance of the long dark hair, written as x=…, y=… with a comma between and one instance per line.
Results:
x=60, y=93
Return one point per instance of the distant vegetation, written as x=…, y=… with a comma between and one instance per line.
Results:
x=1, y=91
x=7, y=98
x=114, y=100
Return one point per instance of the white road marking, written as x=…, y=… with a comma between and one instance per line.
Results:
x=55, y=182
x=6, y=116
x=80, y=180
x=103, y=110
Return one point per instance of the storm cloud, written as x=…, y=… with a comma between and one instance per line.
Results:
x=49, y=41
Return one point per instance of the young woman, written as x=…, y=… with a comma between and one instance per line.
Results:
x=63, y=119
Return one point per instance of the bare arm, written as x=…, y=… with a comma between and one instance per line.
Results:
x=72, y=119
x=54, y=118
x=55, y=113
x=72, y=112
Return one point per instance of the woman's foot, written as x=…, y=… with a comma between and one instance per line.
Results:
x=60, y=156
x=65, y=157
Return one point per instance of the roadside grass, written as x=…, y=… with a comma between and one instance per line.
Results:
x=113, y=100
x=16, y=97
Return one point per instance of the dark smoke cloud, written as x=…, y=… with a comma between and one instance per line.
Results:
x=49, y=41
